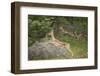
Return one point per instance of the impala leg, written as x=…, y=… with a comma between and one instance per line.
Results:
x=69, y=49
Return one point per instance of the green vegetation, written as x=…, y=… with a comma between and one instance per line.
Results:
x=79, y=47
x=72, y=30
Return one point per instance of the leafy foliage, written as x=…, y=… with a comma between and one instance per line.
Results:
x=39, y=26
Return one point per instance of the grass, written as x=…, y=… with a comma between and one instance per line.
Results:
x=78, y=47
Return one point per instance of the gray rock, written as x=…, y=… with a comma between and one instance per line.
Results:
x=46, y=50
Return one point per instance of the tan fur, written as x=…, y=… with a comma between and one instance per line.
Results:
x=62, y=44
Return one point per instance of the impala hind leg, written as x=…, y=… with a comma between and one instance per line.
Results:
x=69, y=49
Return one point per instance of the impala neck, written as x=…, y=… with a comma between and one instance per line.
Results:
x=52, y=35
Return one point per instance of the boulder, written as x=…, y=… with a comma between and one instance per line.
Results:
x=46, y=50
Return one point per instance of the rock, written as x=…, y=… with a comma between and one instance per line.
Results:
x=46, y=50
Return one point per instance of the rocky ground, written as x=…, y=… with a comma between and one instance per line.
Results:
x=46, y=50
